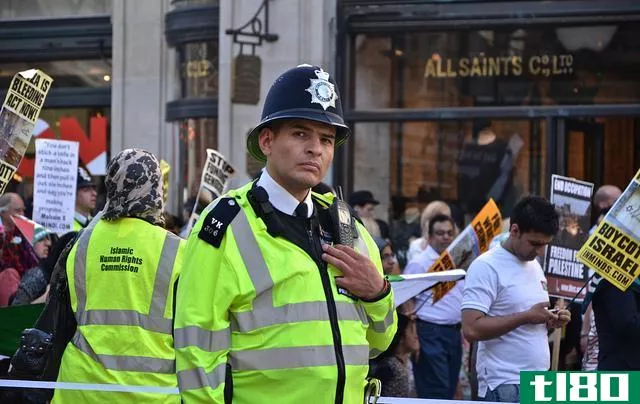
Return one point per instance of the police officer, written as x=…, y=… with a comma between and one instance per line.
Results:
x=121, y=273
x=270, y=308
x=85, y=199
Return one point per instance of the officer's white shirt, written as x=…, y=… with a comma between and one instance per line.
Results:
x=447, y=310
x=499, y=284
x=82, y=219
x=280, y=198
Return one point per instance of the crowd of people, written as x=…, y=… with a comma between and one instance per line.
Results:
x=278, y=292
x=472, y=343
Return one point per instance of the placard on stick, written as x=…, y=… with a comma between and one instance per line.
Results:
x=54, y=184
x=21, y=108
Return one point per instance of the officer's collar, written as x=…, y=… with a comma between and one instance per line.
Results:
x=280, y=198
x=82, y=219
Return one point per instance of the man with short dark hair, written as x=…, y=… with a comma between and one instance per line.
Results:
x=275, y=305
x=85, y=200
x=436, y=372
x=505, y=303
x=364, y=204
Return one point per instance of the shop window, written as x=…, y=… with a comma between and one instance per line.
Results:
x=518, y=66
x=462, y=162
x=198, y=69
x=452, y=159
x=53, y=8
x=196, y=136
x=65, y=73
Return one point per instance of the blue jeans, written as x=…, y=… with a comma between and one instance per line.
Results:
x=436, y=373
x=504, y=393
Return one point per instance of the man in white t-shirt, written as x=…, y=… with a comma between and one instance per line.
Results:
x=438, y=325
x=505, y=303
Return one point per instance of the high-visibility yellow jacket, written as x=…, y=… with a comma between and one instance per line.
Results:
x=77, y=226
x=258, y=303
x=121, y=278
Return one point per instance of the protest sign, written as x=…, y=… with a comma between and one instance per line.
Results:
x=613, y=249
x=470, y=243
x=29, y=229
x=215, y=176
x=407, y=286
x=18, y=115
x=165, y=168
x=54, y=184
x=565, y=273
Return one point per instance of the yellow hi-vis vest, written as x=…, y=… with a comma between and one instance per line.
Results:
x=77, y=226
x=121, y=277
x=262, y=305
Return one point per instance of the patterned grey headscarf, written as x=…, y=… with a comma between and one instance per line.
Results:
x=134, y=187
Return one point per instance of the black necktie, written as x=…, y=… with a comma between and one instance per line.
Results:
x=301, y=210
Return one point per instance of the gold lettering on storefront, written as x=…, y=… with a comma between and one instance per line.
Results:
x=198, y=68
x=538, y=65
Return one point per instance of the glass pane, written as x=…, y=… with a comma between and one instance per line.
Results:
x=66, y=73
x=53, y=8
x=198, y=69
x=463, y=163
x=191, y=3
x=196, y=136
x=519, y=66
x=602, y=150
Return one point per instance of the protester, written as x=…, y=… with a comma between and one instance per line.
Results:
x=41, y=242
x=388, y=258
x=420, y=244
x=364, y=204
x=17, y=255
x=505, y=303
x=293, y=317
x=612, y=317
x=617, y=318
x=437, y=370
x=603, y=200
x=85, y=199
x=393, y=365
x=35, y=282
x=121, y=290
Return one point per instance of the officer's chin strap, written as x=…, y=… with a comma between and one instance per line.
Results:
x=372, y=390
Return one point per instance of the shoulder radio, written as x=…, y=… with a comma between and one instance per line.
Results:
x=342, y=221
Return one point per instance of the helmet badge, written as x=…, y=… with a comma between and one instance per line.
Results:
x=322, y=91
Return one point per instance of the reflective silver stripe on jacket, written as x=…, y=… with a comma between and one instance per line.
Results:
x=264, y=313
x=125, y=362
x=381, y=326
x=193, y=379
x=297, y=357
x=377, y=326
x=208, y=341
x=154, y=321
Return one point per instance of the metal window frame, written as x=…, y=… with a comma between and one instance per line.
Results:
x=56, y=39
x=192, y=24
x=76, y=38
x=386, y=17
x=411, y=15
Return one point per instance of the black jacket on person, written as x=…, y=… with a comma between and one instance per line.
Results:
x=617, y=316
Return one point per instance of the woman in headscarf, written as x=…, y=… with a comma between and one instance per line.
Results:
x=112, y=289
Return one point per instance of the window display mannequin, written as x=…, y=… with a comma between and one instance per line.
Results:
x=480, y=165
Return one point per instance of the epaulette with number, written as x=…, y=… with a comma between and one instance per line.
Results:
x=217, y=221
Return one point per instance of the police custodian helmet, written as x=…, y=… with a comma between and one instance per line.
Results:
x=304, y=92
